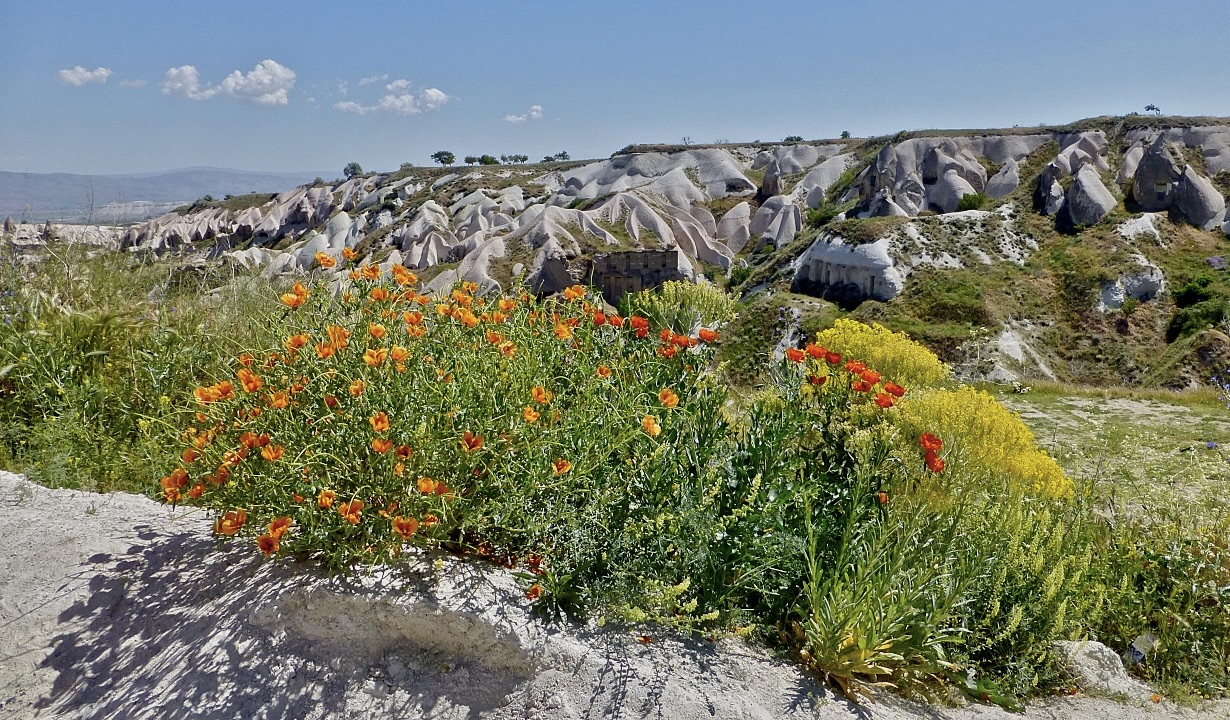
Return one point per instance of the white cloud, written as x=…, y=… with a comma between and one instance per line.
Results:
x=534, y=113
x=133, y=83
x=374, y=79
x=399, y=100
x=266, y=84
x=343, y=87
x=79, y=76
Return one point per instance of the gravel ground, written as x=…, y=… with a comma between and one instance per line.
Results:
x=112, y=606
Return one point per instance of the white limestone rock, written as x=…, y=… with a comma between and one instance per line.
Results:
x=1088, y=200
x=1213, y=141
x=1131, y=160
x=1100, y=669
x=777, y=221
x=549, y=272
x=1200, y=202
x=831, y=264
x=1005, y=181
x=815, y=185
x=734, y=227
x=948, y=190
x=1157, y=176
x=1144, y=224
x=1145, y=284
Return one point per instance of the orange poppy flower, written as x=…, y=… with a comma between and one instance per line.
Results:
x=815, y=350
x=650, y=423
x=640, y=325
x=668, y=398
x=603, y=372
x=349, y=254
x=379, y=422
x=508, y=348
x=338, y=336
x=935, y=463
x=246, y=359
x=324, y=351
x=426, y=485
x=376, y=330
x=470, y=442
x=268, y=544
x=230, y=522
x=444, y=309
x=325, y=260
x=832, y=358
x=884, y=400
x=331, y=401
x=530, y=414
x=855, y=366
x=795, y=355
x=196, y=491
x=534, y=592
x=560, y=466
x=190, y=455
x=405, y=526
x=467, y=318
x=403, y=277
x=378, y=294
x=272, y=453
x=375, y=357
x=894, y=389
x=498, y=318
x=666, y=336
x=599, y=319
x=325, y=499
x=416, y=330
x=206, y=395
x=402, y=452
x=351, y=511
x=382, y=445
x=562, y=331
x=295, y=342
x=399, y=353
x=278, y=527
x=667, y=351
x=370, y=272
x=615, y=321
x=292, y=300
x=870, y=376
x=860, y=386
x=412, y=318
x=541, y=395
x=250, y=381
x=279, y=400
x=494, y=337
x=930, y=442
x=707, y=335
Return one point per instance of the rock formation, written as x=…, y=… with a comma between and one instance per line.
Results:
x=1088, y=200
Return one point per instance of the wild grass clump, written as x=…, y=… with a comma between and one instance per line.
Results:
x=97, y=354
x=681, y=306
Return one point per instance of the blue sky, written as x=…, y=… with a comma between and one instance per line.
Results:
x=119, y=86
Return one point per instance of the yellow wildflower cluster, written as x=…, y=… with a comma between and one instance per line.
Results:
x=893, y=354
x=988, y=436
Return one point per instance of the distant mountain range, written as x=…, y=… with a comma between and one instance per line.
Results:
x=64, y=197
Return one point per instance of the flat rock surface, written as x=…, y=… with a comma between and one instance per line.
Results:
x=113, y=606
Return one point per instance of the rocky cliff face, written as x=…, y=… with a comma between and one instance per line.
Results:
x=735, y=210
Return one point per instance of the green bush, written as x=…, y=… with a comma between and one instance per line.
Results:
x=972, y=201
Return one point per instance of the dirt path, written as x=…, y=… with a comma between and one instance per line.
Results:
x=113, y=607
